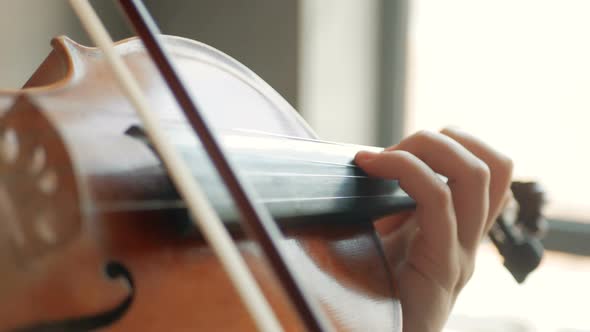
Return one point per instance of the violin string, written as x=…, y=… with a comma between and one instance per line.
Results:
x=38, y=136
x=199, y=207
x=155, y=205
x=15, y=175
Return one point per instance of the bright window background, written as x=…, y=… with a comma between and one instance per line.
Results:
x=515, y=73
x=553, y=299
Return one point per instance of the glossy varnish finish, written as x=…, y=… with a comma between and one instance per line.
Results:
x=60, y=232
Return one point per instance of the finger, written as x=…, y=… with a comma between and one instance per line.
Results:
x=500, y=170
x=389, y=224
x=434, y=211
x=396, y=242
x=468, y=179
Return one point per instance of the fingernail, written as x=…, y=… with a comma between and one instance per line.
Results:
x=392, y=148
x=452, y=129
x=365, y=156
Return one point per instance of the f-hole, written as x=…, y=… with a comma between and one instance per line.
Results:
x=113, y=270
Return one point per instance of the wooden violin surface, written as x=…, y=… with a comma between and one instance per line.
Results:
x=92, y=236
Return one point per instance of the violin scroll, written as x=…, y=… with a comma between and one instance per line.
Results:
x=518, y=236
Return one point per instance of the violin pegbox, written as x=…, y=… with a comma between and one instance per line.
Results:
x=39, y=198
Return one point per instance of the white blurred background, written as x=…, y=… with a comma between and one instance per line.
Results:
x=514, y=72
x=517, y=74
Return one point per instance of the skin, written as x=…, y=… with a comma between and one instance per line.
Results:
x=438, y=241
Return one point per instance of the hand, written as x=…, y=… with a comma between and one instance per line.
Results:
x=432, y=250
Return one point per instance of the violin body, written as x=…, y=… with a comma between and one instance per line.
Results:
x=93, y=234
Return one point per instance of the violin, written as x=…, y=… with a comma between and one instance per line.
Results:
x=95, y=234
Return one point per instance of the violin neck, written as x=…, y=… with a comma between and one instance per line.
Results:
x=299, y=180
